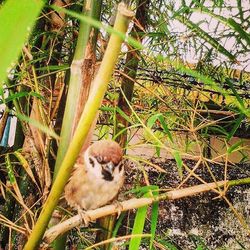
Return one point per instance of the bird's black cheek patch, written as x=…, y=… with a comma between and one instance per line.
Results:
x=120, y=167
x=106, y=175
x=91, y=161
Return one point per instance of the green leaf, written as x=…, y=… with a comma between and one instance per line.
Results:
x=179, y=162
x=165, y=127
x=240, y=103
x=234, y=147
x=198, y=241
x=133, y=42
x=163, y=27
x=138, y=227
x=219, y=3
x=54, y=68
x=123, y=115
x=208, y=81
x=181, y=11
x=19, y=95
x=118, y=224
x=243, y=34
x=158, y=150
x=17, y=19
x=219, y=129
x=38, y=125
x=151, y=120
x=141, y=191
x=9, y=168
x=235, y=127
x=154, y=219
x=140, y=218
x=230, y=22
x=204, y=35
x=24, y=163
x=118, y=110
x=199, y=247
x=168, y=245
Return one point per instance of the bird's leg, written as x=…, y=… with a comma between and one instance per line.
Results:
x=84, y=217
x=118, y=207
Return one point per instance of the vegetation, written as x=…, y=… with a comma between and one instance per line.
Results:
x=169, y=79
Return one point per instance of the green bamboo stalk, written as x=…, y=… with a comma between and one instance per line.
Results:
x=130, y=72
x=100, y=84
x=107, y=223
x=74, y=85
x=68, y=123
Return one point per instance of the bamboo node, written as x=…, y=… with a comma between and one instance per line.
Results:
x=122, y=8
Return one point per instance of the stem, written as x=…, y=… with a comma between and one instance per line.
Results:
x=134, y=203
x=99, y=87
x=86, y=42
x=73, y=92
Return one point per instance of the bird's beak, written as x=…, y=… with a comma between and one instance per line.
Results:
x=110, y=168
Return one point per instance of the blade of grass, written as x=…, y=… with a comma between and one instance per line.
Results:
x=15, y=96
x=37, y=124
x=234, y=147
x=13, y=183
x=25, y=165
x=179, y=162
x=204, y=35
x=141, y=214
x=235, y=127
x=138, y=227
x=133, y=42
x=154, y=217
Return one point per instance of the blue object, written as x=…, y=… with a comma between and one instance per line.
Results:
x=5, y=139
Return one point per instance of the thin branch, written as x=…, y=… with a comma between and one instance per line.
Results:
x=52, y=233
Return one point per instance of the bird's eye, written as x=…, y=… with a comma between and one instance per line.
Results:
x=99, y=159
x=91, y=161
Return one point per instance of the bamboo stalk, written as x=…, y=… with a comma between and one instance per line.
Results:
x=75, y=84
x=99, y=88
x=86, y=44
x=127, y=85
x=76, y=220
x=130, y=71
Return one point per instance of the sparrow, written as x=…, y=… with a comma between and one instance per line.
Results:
x=98, y=180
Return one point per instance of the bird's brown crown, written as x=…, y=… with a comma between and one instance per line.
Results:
x=106, y=151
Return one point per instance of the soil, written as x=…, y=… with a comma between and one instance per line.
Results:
x=204, y=220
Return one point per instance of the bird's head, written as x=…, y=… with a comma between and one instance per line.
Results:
x=104, y=159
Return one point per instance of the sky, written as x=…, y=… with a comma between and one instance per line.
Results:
x=210, y=24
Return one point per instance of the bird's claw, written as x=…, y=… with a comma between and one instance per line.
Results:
x=118, y=208
x=84, y=217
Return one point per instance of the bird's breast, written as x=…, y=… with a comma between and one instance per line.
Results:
x=100, y=193
x=88, y=191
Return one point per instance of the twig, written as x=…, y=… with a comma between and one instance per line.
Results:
x=52, y=233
